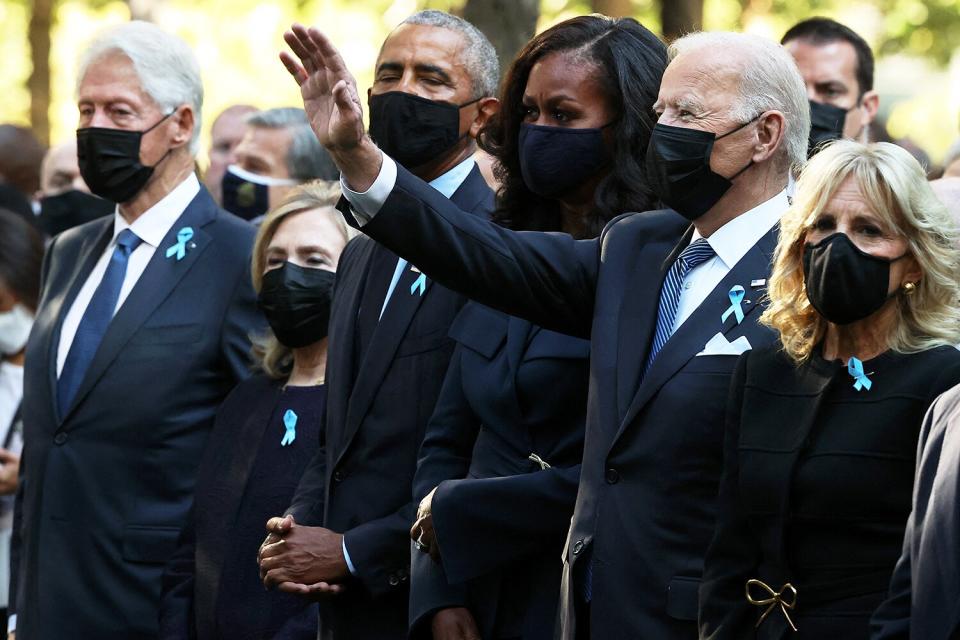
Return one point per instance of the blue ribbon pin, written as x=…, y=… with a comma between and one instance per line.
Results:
x=180, y=249
x=419, y=283
x=736, y=297
x=290, y=422
x=855, y=369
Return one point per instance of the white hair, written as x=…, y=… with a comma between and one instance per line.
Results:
x=169, y=72
x=769, y=81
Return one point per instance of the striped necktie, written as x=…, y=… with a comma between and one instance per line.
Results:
x=696, y=254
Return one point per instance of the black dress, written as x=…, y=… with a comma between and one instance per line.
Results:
x=251, y=468
x=816, y=491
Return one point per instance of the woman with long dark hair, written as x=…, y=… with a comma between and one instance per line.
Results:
x=500, y=462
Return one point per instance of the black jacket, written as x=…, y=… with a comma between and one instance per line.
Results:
x=513, y=390
x=653, y=451
x=107, y=486
x=379, y=398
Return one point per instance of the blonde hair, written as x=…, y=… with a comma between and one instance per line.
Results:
x=269, y=354
x=895, y=188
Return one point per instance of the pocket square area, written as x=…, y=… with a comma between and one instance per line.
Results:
x=718, y=345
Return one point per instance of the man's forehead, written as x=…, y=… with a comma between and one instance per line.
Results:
x=112, y=72
x=824, y=61
x=414, y=44
x=691, y=78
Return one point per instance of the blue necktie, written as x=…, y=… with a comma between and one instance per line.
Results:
x=96, y=318
x=695, y=254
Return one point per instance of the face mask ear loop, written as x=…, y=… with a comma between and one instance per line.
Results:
x=157, y=124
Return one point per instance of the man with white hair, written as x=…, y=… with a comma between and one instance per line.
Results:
x=668, y=305
x=141, y=330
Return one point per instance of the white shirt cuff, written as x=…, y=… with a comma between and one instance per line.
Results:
x=346, y=554
x=12, y=623
x=365, y=205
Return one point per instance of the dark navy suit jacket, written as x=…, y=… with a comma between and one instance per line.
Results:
x=107, y=486
x=512, y=390
x=377, y=411
x=654, y=444
x=924, y=598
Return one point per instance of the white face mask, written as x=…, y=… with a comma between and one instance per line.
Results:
x=15, y=328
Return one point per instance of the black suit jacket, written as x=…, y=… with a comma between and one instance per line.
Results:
x=653, y=452
x=106, y=487
x=924, y=598
x=512, y=390
x=377, y=411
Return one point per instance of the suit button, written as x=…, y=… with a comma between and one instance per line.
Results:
x=577, y=547
x=337, y=476
x=60, y=438
x=393, y=580
x=612, y=476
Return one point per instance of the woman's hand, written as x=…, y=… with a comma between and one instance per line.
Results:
x=422, y=531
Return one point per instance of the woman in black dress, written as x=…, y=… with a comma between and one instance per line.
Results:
x=265, y=433
x=506, y=438
x=822, y=432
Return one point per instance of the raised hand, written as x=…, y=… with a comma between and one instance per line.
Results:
x=327, y=87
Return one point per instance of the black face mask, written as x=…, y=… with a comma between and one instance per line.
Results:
x=296, y=301
x=110, y=161
x=554, y=160
x=247, y=194
x=70, y=209
x=678, y=169
x=414, y=130
x=826, y=124
x=843, y=283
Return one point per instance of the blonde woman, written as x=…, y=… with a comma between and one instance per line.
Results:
x=266, y=432
x=822, y=431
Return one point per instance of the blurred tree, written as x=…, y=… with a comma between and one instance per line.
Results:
x=679, y=17
x=613, y=8
x=143, y=9
x=38, y=83
x=507, y=23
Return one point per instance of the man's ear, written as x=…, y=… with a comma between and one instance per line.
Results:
x=770, y=135
x=486, y=109
x=185, y=121
x=870, y=104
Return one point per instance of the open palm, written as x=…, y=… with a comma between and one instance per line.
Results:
x=327, y=87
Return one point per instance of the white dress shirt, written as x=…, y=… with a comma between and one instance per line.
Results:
x=730, y=242
x=151, y=227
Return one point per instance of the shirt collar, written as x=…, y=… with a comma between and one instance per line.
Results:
x=449, y=182
x=732, y=241
x=154, y=224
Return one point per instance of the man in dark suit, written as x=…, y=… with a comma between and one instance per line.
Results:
x=925, y=587
x=142, y=329
x=389, y=350
x=667, y=306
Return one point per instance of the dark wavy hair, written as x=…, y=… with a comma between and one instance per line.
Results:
x=630, y=61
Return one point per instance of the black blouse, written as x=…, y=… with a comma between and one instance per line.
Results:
x=816, y=490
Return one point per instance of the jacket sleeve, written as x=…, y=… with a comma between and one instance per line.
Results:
x=547, y=278
x=176, y=599
x=734, y=553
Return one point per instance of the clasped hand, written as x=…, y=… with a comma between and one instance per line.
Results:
x=306, y=561
x=422, y=532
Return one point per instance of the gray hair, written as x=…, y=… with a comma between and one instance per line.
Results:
x=769, y=80
x=479, y=56
x=306, y=158
x=166, y=66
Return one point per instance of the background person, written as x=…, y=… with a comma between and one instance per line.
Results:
x=65, y=199
x=822, y=432
x=141, y=330
x=506, y=439
x=276, y=153
x=265, y=433
x=21, y=254
x=388, y=344
x=226, y=132
x=837, y=69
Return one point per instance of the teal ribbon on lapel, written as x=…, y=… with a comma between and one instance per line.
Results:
x=290, y=423
x=855, y=369
x=736, y=297
x=419, y=283
x=180, y=248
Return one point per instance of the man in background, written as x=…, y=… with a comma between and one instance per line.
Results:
x=65, y=199
x=225, y=134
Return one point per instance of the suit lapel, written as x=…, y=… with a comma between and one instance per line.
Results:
x=705, y=322
x=155, y=284
x=638, y=313
x=90, y=252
